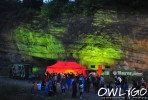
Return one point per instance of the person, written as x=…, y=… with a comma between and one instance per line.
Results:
x=88, y=84
x=50, y=83
x=68, y=82
x=55, y=78
x=96, y=85
x=74, y=89
x=34, y=88
x=115, y=80
x=125, y=87
x=63, y=85
x=46, y=76
x=142, y=81
x=81, y=79
x=101, y=78
x=119, y=79
x=81, y=88
x=46, y=89
x=123, y=81
x=58, y=77
x=54, y=87
x=43, y=84
x=117, y=85
x=62, y=75
x=38, y=86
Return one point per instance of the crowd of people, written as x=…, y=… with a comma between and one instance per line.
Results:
x=79, y=84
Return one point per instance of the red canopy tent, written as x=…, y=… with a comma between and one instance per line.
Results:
x=66, y=67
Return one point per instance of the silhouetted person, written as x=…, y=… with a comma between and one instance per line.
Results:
x=74, y=89
x=87, y=84
x=96, y=85
x=43, y=84
x=54, y=87
x=81, y=89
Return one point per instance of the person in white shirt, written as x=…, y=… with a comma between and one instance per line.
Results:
x=120, y=79
x=101, y=79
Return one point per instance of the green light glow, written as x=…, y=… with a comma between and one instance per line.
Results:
x=97, y=50
x=35, y=69
x=96, y=56
x=103, y=46
x=37, y=44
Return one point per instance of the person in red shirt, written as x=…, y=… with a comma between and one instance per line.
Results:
x=34, y=88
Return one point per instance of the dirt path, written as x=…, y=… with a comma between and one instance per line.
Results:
x=24, y=83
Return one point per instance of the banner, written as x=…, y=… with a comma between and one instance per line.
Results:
x=127, y=73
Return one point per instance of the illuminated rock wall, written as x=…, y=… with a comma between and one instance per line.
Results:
x=134, y=27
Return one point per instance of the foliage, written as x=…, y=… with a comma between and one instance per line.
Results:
x=37, y=44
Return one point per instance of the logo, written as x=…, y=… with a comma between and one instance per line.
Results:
x=126, y=72
x=131, y=92
x=114, y=72
x=137, y=73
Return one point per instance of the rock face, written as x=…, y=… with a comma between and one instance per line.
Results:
x=7, y=50
x=135, y=60
x=8, y=53
x=134, y=27
x=138, y=60
x=136, y=43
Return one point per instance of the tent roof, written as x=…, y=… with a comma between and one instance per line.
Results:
x=65, y=64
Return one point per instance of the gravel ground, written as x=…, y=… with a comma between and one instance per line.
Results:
x=59, y=96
